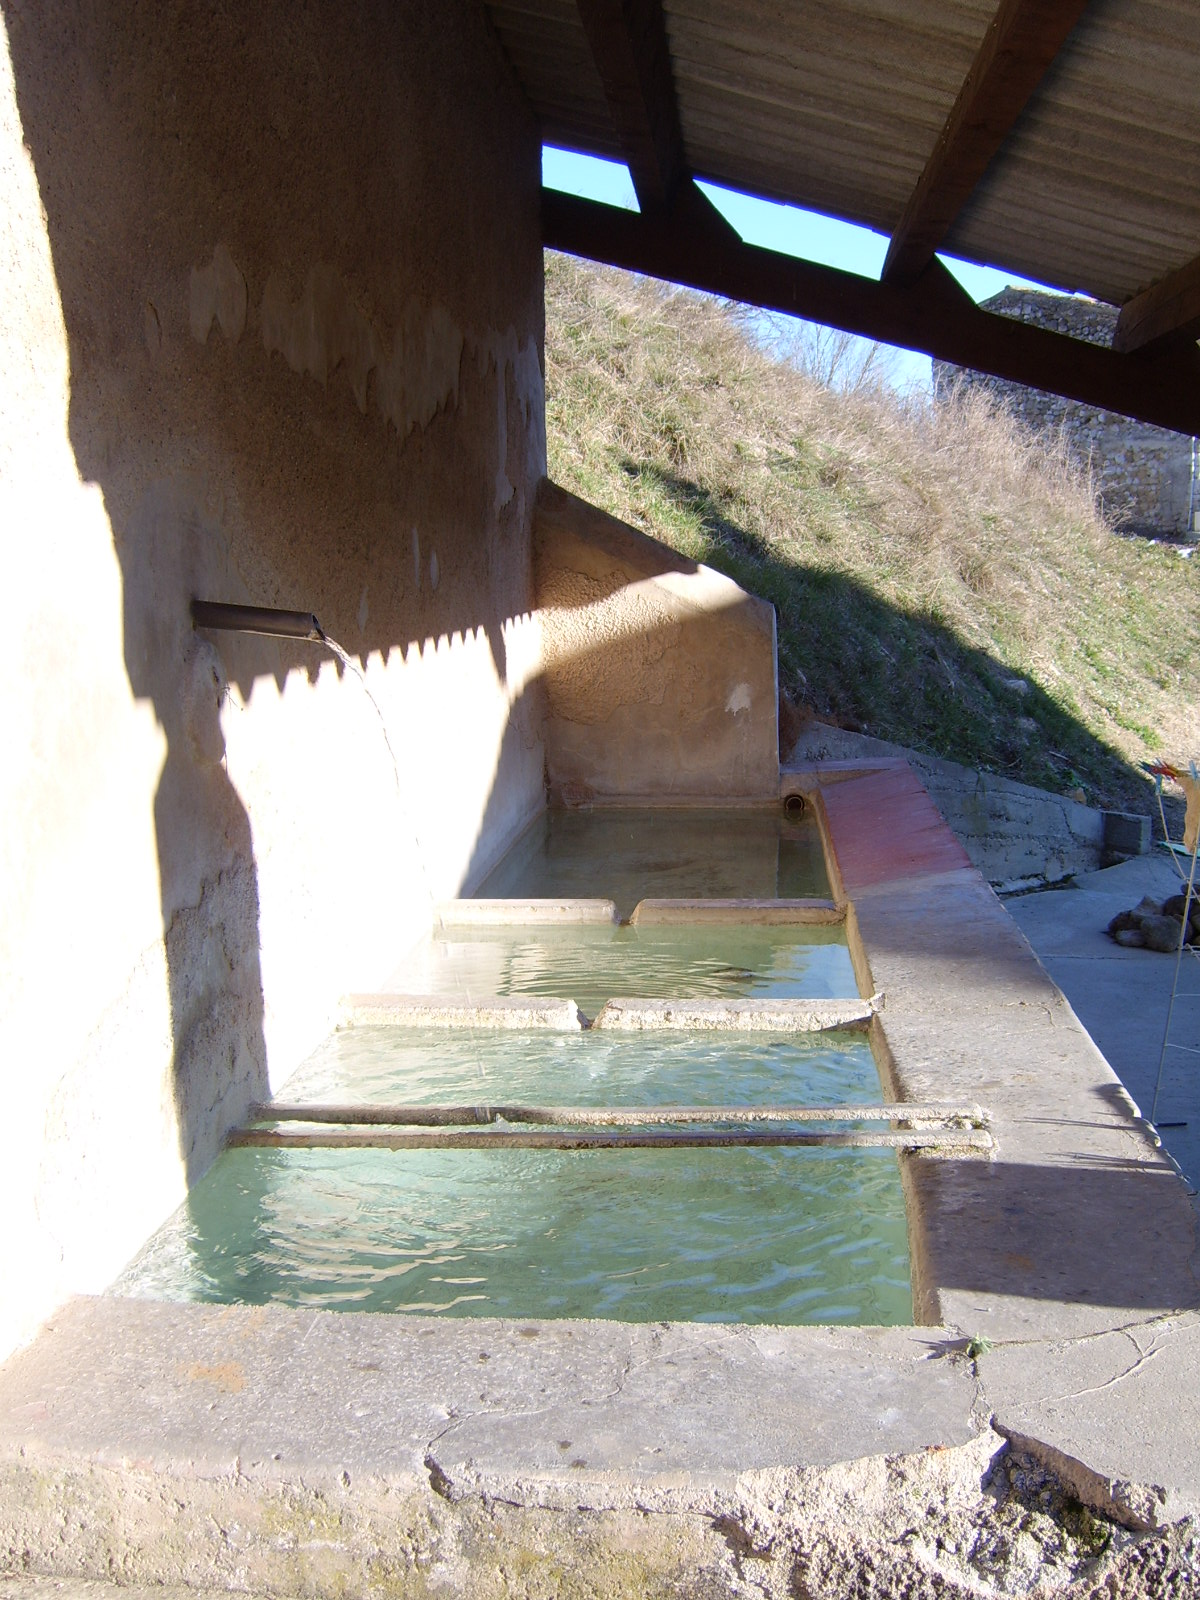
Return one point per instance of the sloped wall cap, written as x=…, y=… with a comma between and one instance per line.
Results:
x=660, y=673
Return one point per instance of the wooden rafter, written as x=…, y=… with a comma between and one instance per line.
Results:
x=628, y=41
x=933, y=315
x=1020, y=45
x=1167, y=313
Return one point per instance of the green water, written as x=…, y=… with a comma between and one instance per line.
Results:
x=788, y=1236
x=463, y=1065
x=721, y=1235
x=593, y=963
x=630, y=854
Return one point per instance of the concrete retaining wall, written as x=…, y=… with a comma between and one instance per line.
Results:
x=1017, y=836
x=270, y=331
x=659, y=673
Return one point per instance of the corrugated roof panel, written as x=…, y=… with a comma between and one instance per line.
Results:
x=1041, y=232
x=758, y=166
x=545, y=42
x=838, y=104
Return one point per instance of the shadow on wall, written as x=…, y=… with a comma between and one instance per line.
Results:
x=207, y=874
x=228, y=473
x=859, y=661
x=659, y=673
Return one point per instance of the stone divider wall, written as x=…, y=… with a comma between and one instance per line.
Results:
x=659, y=673
x=1143, y=475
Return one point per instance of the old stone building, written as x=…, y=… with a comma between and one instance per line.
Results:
x=1145, y=476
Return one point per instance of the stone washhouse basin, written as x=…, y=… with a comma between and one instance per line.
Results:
x=1046, y=1380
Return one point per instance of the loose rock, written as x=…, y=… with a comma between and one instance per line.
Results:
x=1155, y=925
x=1160, y=933
x=1175, y=904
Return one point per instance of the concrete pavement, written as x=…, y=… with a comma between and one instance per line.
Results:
x=1121, y=996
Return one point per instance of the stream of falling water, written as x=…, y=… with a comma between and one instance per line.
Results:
x=352, y=666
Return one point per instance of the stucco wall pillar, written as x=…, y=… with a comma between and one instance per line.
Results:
x=270, y=331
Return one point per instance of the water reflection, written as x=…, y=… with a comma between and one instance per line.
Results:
x=628, y=854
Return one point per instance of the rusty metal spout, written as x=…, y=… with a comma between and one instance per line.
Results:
x=257, y=619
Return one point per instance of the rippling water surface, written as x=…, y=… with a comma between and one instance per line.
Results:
x=785, y=1236
x=592, y=964
x=593, y=1068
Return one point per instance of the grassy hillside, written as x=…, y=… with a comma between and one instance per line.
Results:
x=940, y=578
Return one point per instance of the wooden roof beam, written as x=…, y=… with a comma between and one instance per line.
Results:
x=1019, y=47
x=628, y=41
x=1166, y=313
x=695, y=247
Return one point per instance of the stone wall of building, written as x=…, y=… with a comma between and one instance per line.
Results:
x=270, y=332
x=1143, y=475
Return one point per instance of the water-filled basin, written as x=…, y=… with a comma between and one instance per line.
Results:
x=744, y=1235
x=627, y=854
x=591, y=963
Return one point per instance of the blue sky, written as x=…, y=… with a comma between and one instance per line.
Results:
x=778, y=227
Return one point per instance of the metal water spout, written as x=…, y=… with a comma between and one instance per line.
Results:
x=257, y=619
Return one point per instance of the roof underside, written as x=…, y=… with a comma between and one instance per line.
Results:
x=1057, y=139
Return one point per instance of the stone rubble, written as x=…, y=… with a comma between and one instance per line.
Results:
x=984, y=1520
x=1156, y=924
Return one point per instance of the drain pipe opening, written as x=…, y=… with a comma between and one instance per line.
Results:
x=794, y=805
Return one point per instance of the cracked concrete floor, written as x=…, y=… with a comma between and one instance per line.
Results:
x=1122, y=996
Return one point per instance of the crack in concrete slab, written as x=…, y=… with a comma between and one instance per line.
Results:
x=1167, y=1320
x=439, y=1480
x=630, y=1365
x=1144, y=1358
x=981, y=1412
x=454, y=1419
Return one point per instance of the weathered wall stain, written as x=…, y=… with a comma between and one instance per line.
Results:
x=406, y=377
x=217, y=293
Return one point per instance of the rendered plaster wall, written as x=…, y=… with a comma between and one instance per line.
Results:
x=270, y=331
x=659, y=673
x=1142, y=474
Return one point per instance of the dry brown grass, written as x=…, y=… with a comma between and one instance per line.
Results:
x=921, y=557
